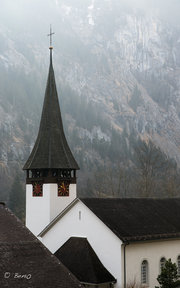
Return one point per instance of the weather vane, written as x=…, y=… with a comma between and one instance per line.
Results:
x=50, y=35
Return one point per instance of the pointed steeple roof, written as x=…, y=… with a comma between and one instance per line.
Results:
x=51, y=149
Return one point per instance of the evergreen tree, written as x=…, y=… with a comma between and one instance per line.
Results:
x=17, y=198
x=168, y=277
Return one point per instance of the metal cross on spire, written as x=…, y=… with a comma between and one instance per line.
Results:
x=50, y=35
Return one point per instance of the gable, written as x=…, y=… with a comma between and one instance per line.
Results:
x=79, y=221
x=133, y=219
x=76, y=220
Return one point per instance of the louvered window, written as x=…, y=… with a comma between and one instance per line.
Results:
x=162, y=263
x=144, y=272
x=178, y=265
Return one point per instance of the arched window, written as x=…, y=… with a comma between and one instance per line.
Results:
x=144, y=272
x=178, y=265
x=162, y=263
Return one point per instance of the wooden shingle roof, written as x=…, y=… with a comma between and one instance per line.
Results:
x=51, y=149
x=79, y=257
x=25, y=262
x=138, y=219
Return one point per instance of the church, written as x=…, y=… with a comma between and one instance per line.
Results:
x=103, y=242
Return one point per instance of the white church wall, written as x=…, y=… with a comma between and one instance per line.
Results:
x=37, y=210
x=40, y=211
x=79, y=221
x=152, y=252
x=58, y=204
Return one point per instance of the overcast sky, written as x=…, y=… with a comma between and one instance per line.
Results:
x=39, y=12
x=169, y=9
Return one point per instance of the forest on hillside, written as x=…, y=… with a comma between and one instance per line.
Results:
x=119, y=165
x=117, y=67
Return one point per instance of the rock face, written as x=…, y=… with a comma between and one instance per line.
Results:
x=132, y=70
x=119, y=64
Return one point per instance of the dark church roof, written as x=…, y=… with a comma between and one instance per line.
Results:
x=79, y=257
x=25, y=262
x=138, y=219
x=51, y=149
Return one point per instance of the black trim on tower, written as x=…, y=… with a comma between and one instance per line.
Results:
x=51, y=175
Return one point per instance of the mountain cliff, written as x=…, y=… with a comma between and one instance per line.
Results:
x=117, y=70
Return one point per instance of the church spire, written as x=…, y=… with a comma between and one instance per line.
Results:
x=51, y=150
x=51, y=167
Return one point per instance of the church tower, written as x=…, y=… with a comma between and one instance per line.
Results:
x=51, y=167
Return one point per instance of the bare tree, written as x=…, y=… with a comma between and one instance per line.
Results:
x=134, y=284
x=150, y=161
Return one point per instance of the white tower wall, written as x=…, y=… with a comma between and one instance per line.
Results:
x=58, y=204
x=40, y=211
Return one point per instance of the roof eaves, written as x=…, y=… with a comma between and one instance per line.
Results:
x=155, y=237
x=97, y=284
